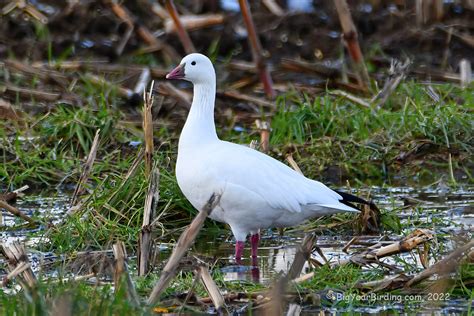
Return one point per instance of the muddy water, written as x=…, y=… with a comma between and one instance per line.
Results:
x=448, y=212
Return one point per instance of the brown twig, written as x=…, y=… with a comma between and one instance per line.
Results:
x=121, y=274
x=211, y=287
x=38, y=95
x=293, y=163
x=256, y=49
x=148, y=129
x=102, y=66
x=302, y=255
x=195, y=22
x=15, y=254
x=275, y=298
x=121, y=91
x=408, y=243
x=145, y=240
x=144, y=33
x=182, y=97
x=184, y=242
x=11, y=196
x=125, y=38
x=386, y=284
x=248, y=98
x=264, y=129
x=33, y=72
x=371, y=255
x=7, y=112
x=16, y=212
x=191, y=293
x=396, y=74
x=273, y=7
x=182, y=33
x=444, y=266
x=351, y=40
x=86, y=169
x=351, y=97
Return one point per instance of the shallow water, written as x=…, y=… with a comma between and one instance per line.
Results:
x=440, y=209
x=451, y=213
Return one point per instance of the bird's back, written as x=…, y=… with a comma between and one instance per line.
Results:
x=220, y=164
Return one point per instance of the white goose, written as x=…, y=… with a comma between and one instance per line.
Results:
x=256, y=190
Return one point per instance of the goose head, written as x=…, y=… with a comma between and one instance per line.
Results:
x=195, y=68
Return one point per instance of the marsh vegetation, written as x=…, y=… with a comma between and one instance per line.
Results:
x=411, y=154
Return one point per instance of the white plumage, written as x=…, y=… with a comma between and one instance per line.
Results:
x=256, y=190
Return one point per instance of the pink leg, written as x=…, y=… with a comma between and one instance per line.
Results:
x=239, y=250
x=254, y=239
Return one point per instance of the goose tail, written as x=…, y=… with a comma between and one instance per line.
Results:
x=351, y=200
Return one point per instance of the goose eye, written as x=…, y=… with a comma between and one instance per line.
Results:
x=193, y=63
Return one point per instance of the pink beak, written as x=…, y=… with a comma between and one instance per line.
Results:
x=177, y=73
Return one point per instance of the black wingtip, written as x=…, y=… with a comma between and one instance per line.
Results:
x=348, y=199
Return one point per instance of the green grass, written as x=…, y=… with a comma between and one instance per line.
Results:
x=75, y=297
x=365, y=142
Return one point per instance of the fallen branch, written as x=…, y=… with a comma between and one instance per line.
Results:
x=16, y=212
x=184, y=242
x=11, y=196
x=445, y=266
x=13, y=91
x=211, y=288
x=195, y=22
x=372, y=255
x=18, y=263
x=351, y=97
x=410, y=242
